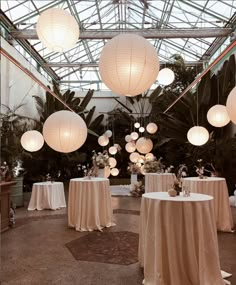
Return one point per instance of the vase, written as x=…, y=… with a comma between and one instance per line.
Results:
x=133, y=178
x=101, y=172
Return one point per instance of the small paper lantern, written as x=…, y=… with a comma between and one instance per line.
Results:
x=107, y=171
x=141, y=159
x=217, y=116
x=128, y=64
x=114, y=171
x=198, y=135
x=103, y=140
x=151, y=128
x=166, y=76
x=112, y=150
x=130, y=147
x=112, y=162
x=32, y=141
x=142, y=170
x=128, y=138
x=57, y=29
x=65, y=131
x=134, y=157
x=144, y=145
x=149, y=156
x=134, y=136
x=141, y=129
x=231, y=105
x=136, y=125
x=108, y=133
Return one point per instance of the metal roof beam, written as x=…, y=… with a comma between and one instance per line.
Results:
x=147, y=33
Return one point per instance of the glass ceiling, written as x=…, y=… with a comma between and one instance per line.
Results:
x=78, y=67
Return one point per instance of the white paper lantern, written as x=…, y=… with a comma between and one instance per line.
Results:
x=136, y=125
x=217, y=116
x=149, y=156
x=128, y=138
x=112, y=162
x=103, y=140
x=112, y=150
x=198, y=135
x=151, y=128
x=231, y=105
x=166, y=76
x=141, y=159
x=107, y=171
x=134, y=157
x=57, y=29
x=32, y=141
x=144, y=145
x=114, y=171
x=130, y=147
x=128, y=64
x=65, y=131
x=141, y=129
x=142, y=170
x=108, y=133
x=134, y=135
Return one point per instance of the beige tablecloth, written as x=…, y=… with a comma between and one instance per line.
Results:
x=216, y=187
x=178, y=240
x=47, y=195
x=158, y=182
x=89, y=204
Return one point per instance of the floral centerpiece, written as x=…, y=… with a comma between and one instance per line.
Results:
x=154, y=166
x=134, y=168
x=137, y=189
x=182, y=172
x=200, y=169
x=100, y=160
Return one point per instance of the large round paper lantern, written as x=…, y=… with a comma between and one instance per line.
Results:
x=144, y=145
x=130, y=147
x=65, y=131
x=112, y=162
x=32, y=141
x=134, y=135
x=166, y=76
x=128, y=138
x=198, y=135
x=103, y=140
x=108, y=133
x=57, y=29
x=217, y=116
x=149, y=156
x=134, y=157
x=151, y=128
x=114, y=171
x=112, y=150
x=128, y=64
x=231, y=105
x=137, y=125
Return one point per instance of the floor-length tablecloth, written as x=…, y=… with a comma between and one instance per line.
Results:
x=178, y=240
x=216, y=187
x=89, y=204
x=47, y=195
x=159, y=182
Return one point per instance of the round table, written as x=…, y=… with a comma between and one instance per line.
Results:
x=89, y=204
x=217, y=188
x=159, y=182
x=47, y=195
x=178, y=240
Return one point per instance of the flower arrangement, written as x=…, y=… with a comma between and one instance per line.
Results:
x=200, y=169
x=182, y=172
x=169, y=169
x=153, y=166
x=100, y=160
x=137, y=189
x=134, y=168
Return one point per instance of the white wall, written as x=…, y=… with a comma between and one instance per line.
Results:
x=17, y=87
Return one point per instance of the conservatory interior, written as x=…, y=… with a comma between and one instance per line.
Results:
x=118, y=142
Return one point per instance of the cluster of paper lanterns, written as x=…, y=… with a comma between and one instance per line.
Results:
x=140, y=159
x=103, y=140
x=151, y=128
